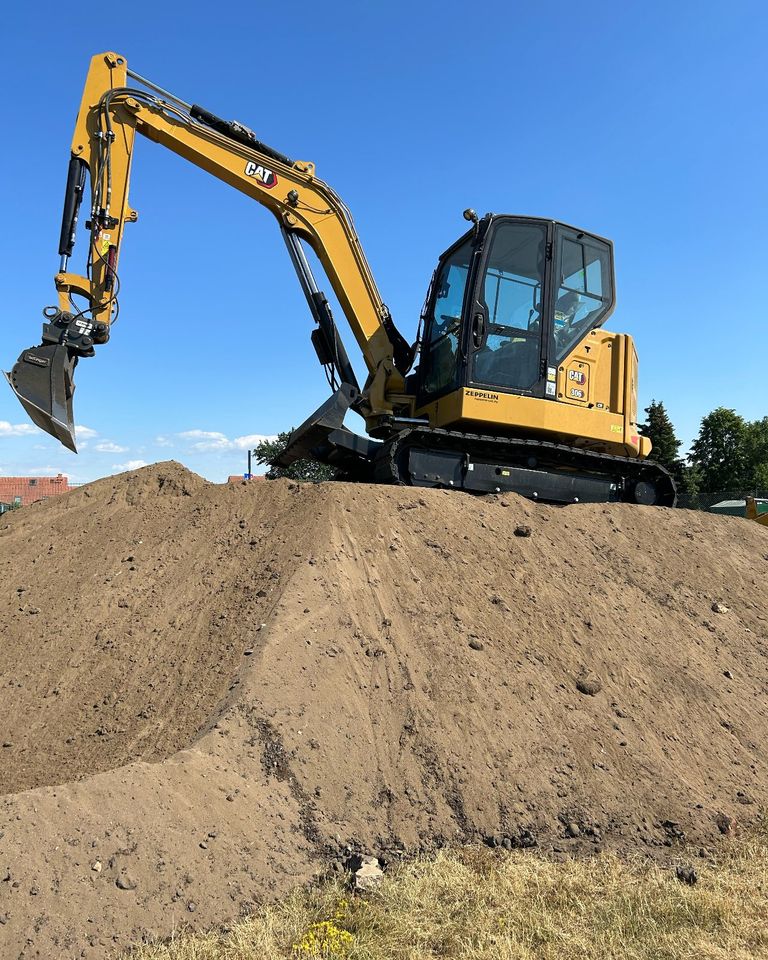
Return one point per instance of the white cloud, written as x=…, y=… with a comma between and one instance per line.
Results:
x=251, y=439
x=210, y=440
x=16, y=429
x=201, y=434
x=83, y=435
x=206, y=439
x=107, y=446
x=162, y=442
x=129, y=465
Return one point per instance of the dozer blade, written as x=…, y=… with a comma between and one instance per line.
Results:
x=42, y=379
x=305, y=439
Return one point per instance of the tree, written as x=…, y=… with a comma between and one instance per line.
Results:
x=689, y=485
x=658, y=428
x=757, y=454
x=720, y=452
x=311, y=471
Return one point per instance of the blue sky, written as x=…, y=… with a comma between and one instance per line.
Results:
x=643, y=122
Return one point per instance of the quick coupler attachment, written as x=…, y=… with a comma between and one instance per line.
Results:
x=43, y=377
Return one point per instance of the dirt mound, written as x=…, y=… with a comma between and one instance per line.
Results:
x=119, y=640
x=212, y=688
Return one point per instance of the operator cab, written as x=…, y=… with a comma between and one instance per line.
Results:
x=509, y=301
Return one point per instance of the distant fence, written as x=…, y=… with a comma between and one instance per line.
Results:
x=705, y=499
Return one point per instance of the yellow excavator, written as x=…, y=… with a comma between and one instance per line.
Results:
x=511, y=384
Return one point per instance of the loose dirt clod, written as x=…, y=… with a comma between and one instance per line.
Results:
x=360, y=719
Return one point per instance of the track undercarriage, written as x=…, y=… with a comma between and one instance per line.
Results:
x=536, y=469
x=425, y=457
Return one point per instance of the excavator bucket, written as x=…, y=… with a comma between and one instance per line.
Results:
x=42, y=379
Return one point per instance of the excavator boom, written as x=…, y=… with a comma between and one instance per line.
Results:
x=112, y=111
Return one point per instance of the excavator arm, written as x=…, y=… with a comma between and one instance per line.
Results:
x=116, y=105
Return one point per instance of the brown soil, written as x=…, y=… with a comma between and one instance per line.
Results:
x=208, y=691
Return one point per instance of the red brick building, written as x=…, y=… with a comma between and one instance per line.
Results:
x=21, y=491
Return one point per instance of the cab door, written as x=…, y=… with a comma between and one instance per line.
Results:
x=509, y=328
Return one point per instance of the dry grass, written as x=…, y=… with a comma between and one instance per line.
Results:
x=474, y=903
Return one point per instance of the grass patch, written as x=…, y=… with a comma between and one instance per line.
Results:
x=473, y=903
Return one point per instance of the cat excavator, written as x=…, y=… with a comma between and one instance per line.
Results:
x=512, y=383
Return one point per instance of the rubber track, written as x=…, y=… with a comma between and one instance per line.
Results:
x=551, y=457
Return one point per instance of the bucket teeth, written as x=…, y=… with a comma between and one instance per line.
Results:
x=43, y=380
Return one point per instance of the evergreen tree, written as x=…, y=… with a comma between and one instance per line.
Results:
x=307, y=470
x=720, y=452
x=658, y=428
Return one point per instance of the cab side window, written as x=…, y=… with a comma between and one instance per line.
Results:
x=584, y=295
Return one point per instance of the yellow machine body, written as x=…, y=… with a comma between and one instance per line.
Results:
x=752, y=513
x=595, y=410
